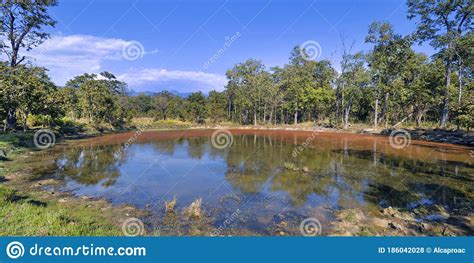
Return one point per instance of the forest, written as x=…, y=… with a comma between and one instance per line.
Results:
x=389, y=85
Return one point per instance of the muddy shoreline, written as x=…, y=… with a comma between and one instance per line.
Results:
x=431, y=135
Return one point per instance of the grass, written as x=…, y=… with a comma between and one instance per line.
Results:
x=15, y=140
x=25, y=216
x=152, y=124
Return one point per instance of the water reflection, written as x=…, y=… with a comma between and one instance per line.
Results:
x=256, y=169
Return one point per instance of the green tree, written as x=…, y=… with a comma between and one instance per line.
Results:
x=197, y=107
x=115, y=86
x=70, y=102
x=30, y=91
x=387, y=62
x=442, y=23
x=354, y=79
x=97, y=102
x=465, y=61
x=216, y=106
x=77, y=81
x=297, y=82
x=247, y=83
x=465, y=112
x=142, y=105
x=21, y=27
x=161, y=103
x=321, y=96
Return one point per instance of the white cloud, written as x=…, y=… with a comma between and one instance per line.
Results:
x=69, y=56
x=83, y=44
x=202, y=81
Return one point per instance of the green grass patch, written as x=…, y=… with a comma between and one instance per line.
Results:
x=152, y=124
x=14, y=140
x=24, y=216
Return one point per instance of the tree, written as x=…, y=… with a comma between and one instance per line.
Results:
x=142, y=105
x=197, y=106
x=97, y=102
x=21, y=27
x=443, y=23
x=465, y=61
x=321, y=96
x=339, y=79
x=70, y=102
x=78, y=81
x=39, y=94
x=100, y=98
x=275, y=95
x=296, y=80
x=465, y=112
x=115, y=86
x=354, y=78
x=161, y=103
x=22, y=22
x=216, y=105
x=386, y=61
x=247, y=82
x=30, y=91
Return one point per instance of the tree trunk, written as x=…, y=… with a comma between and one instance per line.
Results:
x=445, y=110
x=338, y=105
x=460, y=86
x=255, y=118
x=282, y=116
x=10, y=123
x=418, y=118
x=271, y=116
x=275, y=117
x=384, y=107
x=296, y=114
x=14, y=58
x=25, y=118
x=347, y=111
x=264, y=114
x=346, y=118
x=403, y=120
x=376, y=110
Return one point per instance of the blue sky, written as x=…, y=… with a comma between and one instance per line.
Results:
x=176, y=40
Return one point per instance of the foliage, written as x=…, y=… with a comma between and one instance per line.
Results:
x=444, y=24
x=388, y=85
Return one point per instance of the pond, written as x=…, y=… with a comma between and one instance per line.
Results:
x=250, y=181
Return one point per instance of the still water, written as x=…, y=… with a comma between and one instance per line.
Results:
x=266, y=176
